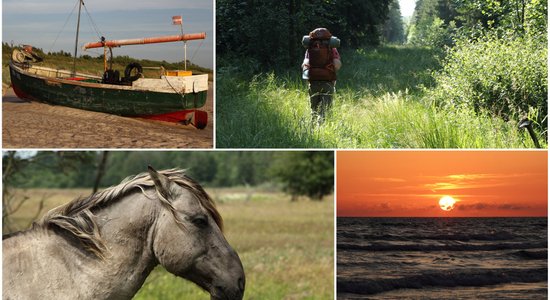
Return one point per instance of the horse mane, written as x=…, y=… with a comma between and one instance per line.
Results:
x=78, y=220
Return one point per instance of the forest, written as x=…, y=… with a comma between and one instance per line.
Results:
x=456, y=74
x=300, y=173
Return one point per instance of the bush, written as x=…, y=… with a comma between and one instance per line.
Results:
x=434, y=34
x=504, y=76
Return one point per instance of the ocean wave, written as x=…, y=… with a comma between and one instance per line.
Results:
x=439, y=247
x=490, y=236
x=535, y=254
x=473, y=278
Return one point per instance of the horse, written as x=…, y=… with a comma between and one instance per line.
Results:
x=104, y=246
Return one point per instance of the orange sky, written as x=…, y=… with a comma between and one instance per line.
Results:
x=410, y=183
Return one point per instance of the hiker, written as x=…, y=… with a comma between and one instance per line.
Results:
x=321, y=62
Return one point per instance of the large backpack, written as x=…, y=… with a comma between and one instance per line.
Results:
x=321, y=67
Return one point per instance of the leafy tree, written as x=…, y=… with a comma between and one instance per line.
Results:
x=433, y=23
x=393, y=28
x=502, y=76
x=536, y=18
x=302, y=173
x=306, y=173
x=51, y=169
x=267, y=33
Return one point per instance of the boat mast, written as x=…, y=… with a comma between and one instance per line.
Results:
x=184, y=48
x=76, y=42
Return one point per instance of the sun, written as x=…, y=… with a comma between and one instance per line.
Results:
x=447, y=203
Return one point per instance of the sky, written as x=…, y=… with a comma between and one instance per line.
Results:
x=38, y=23
x=407, y=7
x=410, y=183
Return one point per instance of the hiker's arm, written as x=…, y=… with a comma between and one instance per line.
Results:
x=337, y=64
x=305, y=64
x=336, y=59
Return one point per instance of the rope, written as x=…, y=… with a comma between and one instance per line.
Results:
x=66, y=21
x=182, y=93
x=94, y=25
x=196, y=50
x=97, y=31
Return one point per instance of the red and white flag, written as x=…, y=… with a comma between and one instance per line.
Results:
x=176, y=20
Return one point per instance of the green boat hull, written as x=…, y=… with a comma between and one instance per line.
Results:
x=106, y=98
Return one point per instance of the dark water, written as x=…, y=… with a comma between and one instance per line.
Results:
x=442, y=258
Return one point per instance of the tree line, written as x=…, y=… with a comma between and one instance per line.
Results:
x=53, y=56
x=437, y=22
x=268, y=33
x=308, y=173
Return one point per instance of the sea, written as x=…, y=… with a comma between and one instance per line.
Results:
x=442, y=258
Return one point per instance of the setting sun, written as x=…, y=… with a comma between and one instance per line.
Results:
x=447, y=203
x=442, y=183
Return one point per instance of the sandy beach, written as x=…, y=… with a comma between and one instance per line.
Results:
x=27, y=124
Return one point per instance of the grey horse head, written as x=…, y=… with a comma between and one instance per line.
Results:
x=208, y=260
x=105, y=245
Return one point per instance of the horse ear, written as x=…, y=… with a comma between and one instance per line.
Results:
x=162, y=183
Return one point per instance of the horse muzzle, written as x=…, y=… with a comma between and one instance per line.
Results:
x=234, y=292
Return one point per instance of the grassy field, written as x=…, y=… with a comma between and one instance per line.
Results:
x=379, y=103
x=286, y=247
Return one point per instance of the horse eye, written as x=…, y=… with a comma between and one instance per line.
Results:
x=200, y=221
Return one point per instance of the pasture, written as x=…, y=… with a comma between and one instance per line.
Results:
x=287, y=248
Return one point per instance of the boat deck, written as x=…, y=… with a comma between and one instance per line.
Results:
x=60, y=74
x=164, y=84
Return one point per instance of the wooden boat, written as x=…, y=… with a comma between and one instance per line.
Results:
x=169, y=98
x=174, y=97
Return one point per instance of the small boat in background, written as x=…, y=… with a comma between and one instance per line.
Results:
x=174, y=96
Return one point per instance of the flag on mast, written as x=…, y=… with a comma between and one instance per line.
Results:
x=176, y=20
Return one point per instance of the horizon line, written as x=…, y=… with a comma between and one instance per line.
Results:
x=544, y=216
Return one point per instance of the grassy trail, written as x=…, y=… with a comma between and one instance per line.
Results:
x=378, y=104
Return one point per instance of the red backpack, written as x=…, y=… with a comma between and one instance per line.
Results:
x=321, y=65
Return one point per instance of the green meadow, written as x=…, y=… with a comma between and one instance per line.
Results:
x=287, y=248
x=384, y=99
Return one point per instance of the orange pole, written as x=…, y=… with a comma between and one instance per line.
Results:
x=151, y=40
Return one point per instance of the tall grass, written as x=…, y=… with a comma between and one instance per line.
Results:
x=379, y=103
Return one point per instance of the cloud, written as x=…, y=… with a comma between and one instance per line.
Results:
x=470, y=176
x=471, y=181
x=60, y=7
x=47, y=25
x=361, y=196
x=484, y=206
x=442, y=186
x=385, y=206
x=507, y=206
